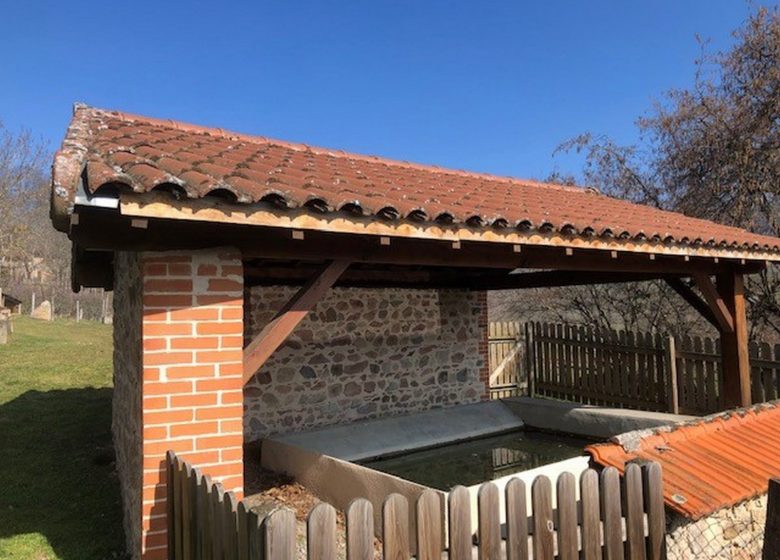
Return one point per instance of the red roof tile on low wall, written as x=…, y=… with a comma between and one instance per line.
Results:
x=143, y=154
x=710, y=464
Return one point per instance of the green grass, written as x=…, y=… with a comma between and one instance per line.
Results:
x=59, y=496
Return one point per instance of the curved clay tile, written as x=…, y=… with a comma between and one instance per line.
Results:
x=144, y=153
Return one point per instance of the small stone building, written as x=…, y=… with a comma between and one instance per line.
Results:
x=262, y=286
x=716, y=471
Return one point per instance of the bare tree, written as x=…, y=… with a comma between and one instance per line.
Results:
x=711, y=151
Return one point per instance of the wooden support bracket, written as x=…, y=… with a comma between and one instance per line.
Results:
x=279, y=328
x=693, y=300
x=715, y=302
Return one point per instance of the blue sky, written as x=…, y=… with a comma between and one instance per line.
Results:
x=485, y=86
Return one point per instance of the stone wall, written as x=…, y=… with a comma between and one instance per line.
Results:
x=126, y=413
x=732, y=533
x=366, y=353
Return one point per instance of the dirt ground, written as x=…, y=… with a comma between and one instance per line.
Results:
x=267, y=491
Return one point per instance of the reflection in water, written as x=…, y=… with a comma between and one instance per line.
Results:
x=479, y=460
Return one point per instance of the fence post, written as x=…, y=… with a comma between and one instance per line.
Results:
x=673, y=399
x=772, y=527
x=530, y=358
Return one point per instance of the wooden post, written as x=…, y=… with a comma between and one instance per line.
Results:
x=530, y=359
x=279, y=328
x=673, y=397
x=772, y=527
x=734, y=345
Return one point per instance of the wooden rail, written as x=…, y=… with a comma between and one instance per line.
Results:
x=593, y=518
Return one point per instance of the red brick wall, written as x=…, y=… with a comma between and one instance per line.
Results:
x=192, y=375
x=484, y=370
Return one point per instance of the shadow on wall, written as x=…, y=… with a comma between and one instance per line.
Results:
x=57, y=474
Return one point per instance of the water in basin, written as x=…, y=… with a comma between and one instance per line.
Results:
x=472, y=462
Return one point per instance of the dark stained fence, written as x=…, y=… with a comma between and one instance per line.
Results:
x=638, y=370
x=610, y=520
x=586, y=365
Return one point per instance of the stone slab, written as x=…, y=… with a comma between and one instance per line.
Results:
x=585, y=420
x=369, y=439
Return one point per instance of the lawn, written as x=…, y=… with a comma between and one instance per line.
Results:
x=59, y=496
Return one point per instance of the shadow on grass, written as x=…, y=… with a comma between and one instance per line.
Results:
x=57, y=474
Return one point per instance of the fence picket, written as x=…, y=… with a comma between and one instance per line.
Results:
x=591, y=521
x=215, y=517
x=489, y=522
x=395, y=528
x=255, y=528
x=635, y=529
x=567, y=517
x=360, y=530
x=429, y=526
x=460, y=524
x=243, y=527
x=611, y=514
x=516, y=520
x=654, y=506
x=230, y=526
x=194, y=480
x=543, y=538
x=279, y=535
x=186, y=511
x=321, y=533
x=207, y=522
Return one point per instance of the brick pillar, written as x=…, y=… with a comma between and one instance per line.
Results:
x=192, y=385
x=484, y=370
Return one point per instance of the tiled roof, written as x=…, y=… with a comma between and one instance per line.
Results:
x=708, y=464
x=144, y=154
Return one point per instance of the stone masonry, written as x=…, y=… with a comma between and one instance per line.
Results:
x=365, y=353
x=731, y=533
x=126, y=411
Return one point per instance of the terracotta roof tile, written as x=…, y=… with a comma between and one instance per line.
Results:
x=144, y=153
x=708, y=464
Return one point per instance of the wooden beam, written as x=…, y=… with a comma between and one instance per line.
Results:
x=101, y=229
x=734, y=344
x=693, y=300
x=559, y=278
x=279, y=328
x=715, y=302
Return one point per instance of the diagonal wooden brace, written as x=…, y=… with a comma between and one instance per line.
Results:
x=715, y=302
x=279, y=328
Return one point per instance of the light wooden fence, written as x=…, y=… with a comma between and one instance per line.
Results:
x=637, y=370
x=610, y=520
x=505, y=350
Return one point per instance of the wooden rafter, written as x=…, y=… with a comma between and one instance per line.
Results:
x=279, y=328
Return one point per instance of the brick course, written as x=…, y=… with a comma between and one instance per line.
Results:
x=180, y=357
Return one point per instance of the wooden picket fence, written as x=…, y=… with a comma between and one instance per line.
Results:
x=505, y=351
x=637, y=370
x=610, y=520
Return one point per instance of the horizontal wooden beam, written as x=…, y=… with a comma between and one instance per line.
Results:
x=211, y=210
x=103, y=229
x=562, y=278
x=279, y=328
